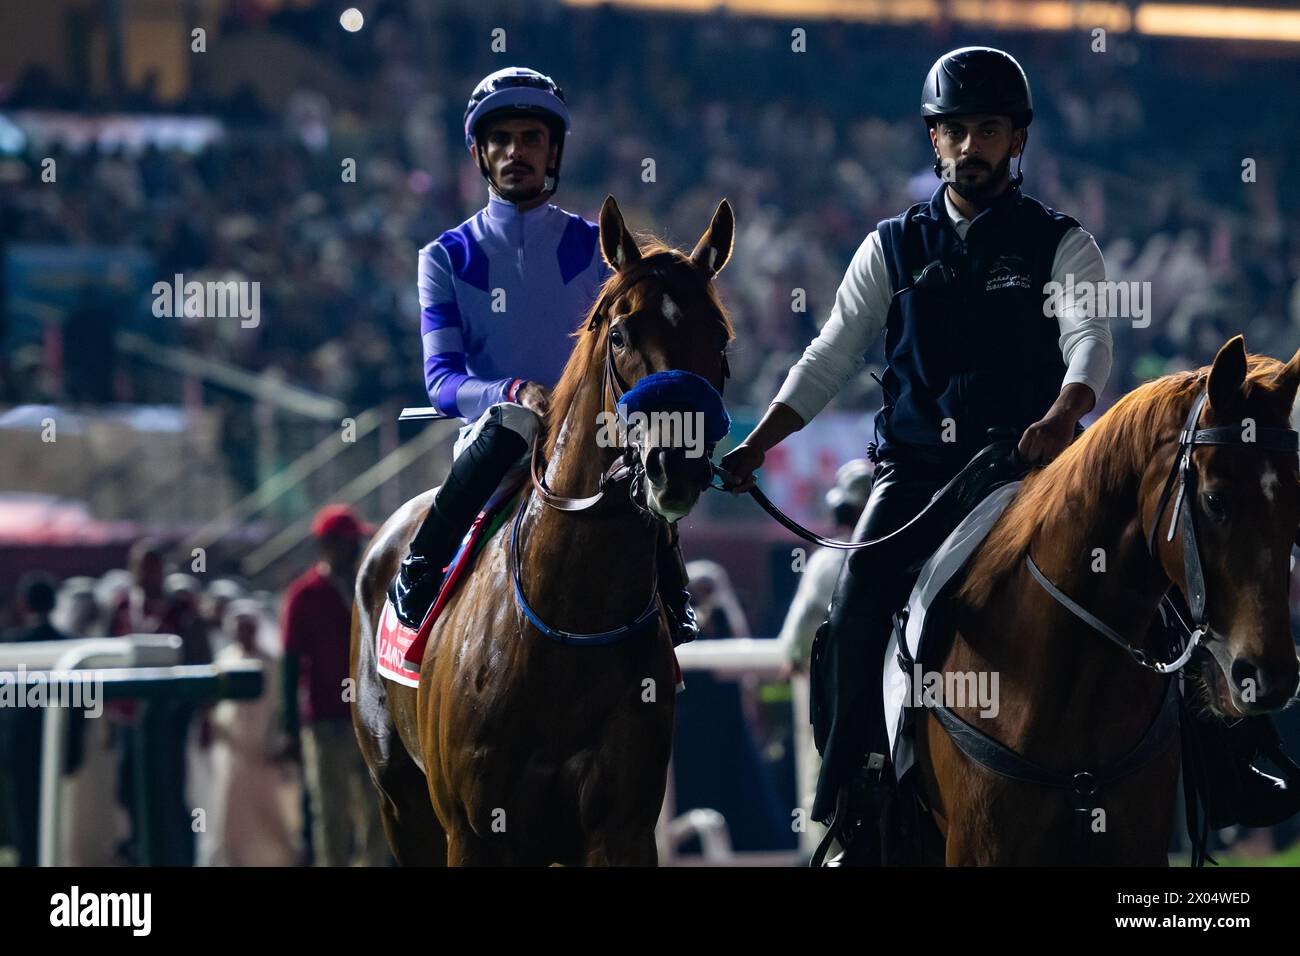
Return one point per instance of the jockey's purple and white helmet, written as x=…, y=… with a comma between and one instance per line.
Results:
x=519, y=91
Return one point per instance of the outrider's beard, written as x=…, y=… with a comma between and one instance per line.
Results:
x=980, y=193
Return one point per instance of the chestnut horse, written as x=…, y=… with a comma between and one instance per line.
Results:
x=1071, y=699
x=517, y=749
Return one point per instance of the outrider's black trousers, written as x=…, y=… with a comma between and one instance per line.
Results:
x=848, y=708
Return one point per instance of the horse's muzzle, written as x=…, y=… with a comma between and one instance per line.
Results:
x=667, y=466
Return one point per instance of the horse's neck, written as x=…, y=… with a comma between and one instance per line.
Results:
x=1057, y=674
x=589, y=570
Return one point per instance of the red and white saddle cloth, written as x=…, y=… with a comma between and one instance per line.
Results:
x=400, y=650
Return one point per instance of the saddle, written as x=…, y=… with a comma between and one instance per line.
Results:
x=914, y=544
x=995, y=465
x=401, y=650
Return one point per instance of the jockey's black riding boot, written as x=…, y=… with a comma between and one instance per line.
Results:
x=474, y=475
x=1236, y=792
x=671, y=569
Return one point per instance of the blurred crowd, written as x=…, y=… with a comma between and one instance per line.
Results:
x=276, y=780
x=812, y=148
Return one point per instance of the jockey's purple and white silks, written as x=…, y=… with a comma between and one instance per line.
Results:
x=499, y=295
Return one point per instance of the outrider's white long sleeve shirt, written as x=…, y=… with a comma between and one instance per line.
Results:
x=862, y=308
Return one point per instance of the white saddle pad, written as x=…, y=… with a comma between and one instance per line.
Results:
x=937, y=572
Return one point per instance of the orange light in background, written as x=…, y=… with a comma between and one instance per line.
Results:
x=1109, y=16
x=880, y=11
x=871, y=11
x=1042, y=14
x=1157, y=19
x=1224, y=23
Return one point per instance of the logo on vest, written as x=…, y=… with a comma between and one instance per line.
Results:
x=1007, y=272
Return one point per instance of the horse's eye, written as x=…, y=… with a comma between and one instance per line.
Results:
x=616, y=336
x=1216, y=505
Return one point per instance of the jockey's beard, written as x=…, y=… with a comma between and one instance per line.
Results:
x=520, y=193
x=983, y=193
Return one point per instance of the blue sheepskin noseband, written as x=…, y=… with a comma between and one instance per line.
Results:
x=678, y=390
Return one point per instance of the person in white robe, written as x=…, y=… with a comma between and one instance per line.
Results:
x=255, y=814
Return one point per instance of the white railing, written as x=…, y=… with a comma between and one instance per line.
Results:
x=731, y=657
x=137, y=650
x=133, y=666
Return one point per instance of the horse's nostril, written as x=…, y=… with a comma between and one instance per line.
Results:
x=1248, y=679
x=655, y=466
x=674, y=464
x=1243, y=670
x=703, y=470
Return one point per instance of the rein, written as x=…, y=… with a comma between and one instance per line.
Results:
x=1181, y=474
x=627, y=467
x=784, y=520
x=624, y=467
x=1084, y=787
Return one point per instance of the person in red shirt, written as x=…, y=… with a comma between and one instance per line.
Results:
x=316, y=621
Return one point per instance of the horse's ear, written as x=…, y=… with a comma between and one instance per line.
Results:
x=714, y=248
x=1286, y=380
x=1228, y=375
x=616, y=243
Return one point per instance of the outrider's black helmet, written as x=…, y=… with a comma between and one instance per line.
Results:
x=977, y=79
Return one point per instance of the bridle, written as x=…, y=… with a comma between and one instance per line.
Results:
x=626, y=467
x=1181, y=477
x=1084, y=788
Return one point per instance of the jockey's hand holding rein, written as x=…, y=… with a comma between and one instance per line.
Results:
x=741, y=462
x=1052, y=434
x=535, y=397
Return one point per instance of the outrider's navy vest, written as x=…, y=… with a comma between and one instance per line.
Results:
x=981, y=352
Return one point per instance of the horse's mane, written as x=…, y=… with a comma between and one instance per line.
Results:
x=588, y=348
x=1096, y=465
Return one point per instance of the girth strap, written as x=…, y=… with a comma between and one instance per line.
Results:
x=1084, y=787
x=993, y=755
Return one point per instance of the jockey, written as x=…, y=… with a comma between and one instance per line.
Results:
x=958, y=285
x=499, y=296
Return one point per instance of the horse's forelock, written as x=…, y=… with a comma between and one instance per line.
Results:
x=675, y=269
x=679, y=275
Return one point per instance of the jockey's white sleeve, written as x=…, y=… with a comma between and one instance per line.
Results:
x=862, y=308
